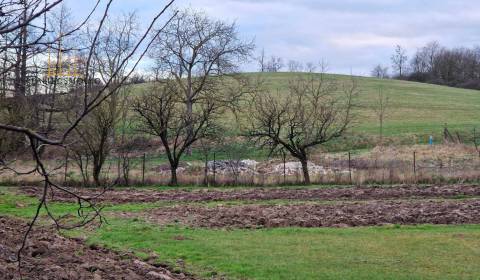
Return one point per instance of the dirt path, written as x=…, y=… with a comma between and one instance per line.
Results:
x=50, y=256
x=344, y=214
x=354, y=193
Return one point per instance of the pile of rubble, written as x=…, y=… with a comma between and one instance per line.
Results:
x=295, y=167
x=233, y=166
x=253, y=167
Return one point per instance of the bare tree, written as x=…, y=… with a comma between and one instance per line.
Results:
x=312, y=114
x=295, y=66
x=124, y=145
x=400, y=60
x=275, y=64
x=22, y=15
x=428, y=55
x=262, y=62
x=162, y=113
x=381, y=107
x=96, y=135
x=380, y=72
x=115, y=42
x=310, y=67
x=98, y=131
x=198, y=54
x=459, y=67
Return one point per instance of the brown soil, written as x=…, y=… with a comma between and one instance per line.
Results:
x=255, y=194
x=51, y=256
x=343, y=214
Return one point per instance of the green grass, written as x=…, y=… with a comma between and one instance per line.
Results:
x=416, y=111
x=23, y=206
x=422, y=252
x=416, y=108
x=392, y=252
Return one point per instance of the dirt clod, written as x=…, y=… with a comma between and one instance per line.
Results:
x=50, y=256
x=257, y=194
x=345, y=214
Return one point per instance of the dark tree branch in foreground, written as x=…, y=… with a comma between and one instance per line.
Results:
x=27, y=19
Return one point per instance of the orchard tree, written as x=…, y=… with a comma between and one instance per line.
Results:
x=200, y=55
x=381, y=108
x=197, y=53
x=311, y=114
x=161, y=112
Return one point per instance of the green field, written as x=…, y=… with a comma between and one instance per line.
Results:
x=422, y=252
x=416, y=108
x=416, y=111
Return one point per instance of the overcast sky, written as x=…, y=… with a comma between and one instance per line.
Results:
x=352, y=35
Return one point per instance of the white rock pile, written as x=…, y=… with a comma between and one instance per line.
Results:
x=233, y=166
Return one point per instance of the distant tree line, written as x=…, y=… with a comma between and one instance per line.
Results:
x=274, y=64
x=459, y=67
x=433, y=63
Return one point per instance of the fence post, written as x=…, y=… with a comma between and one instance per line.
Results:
x=350, y=167
x=284, y=168
x=206, y=169
x=143, y=168
x=415, y=165
x=214, y=169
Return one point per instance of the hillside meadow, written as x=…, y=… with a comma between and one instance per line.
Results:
x=415, y=111
x=415, y=108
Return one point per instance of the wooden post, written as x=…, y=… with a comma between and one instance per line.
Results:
x=143, y=168
x=284, y=168
x=350, y=167
x=206, y=169
x=415, y=165
x=214, y=169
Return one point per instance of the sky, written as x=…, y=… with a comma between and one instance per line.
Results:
x=352, y=36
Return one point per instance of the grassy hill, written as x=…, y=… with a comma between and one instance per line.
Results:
x=416, y=111
x=416, y=108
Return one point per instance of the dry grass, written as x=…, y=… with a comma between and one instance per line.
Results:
x=382, y=165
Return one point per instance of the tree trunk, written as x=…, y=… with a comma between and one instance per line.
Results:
x=306, y=174
x=189, y=112
x=173, y=178
x=97, y=170
x=98, y=162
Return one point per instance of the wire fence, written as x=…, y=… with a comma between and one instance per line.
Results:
x=343, y=168
x=417, y=165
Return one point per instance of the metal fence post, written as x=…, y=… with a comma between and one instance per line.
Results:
x=206, y=169
x=143, y=168
x=214, y=169
x=350, y=167
x=415, y=165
